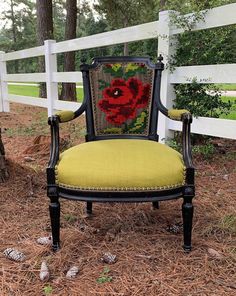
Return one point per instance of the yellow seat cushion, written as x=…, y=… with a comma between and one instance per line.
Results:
x=120, y=165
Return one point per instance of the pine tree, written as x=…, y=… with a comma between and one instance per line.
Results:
x=68, y=91
x=44, y=32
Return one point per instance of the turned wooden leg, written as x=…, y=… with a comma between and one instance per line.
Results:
x=54, y=209
x=155, y=205
x=89, y=208
x=187, y=212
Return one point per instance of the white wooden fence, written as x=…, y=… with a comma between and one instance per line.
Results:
x=162, y=29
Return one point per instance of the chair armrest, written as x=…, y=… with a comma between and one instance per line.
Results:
x=187, y=154
x=186, y=143
x=186, y=118
x=53, y=121
x=65, y=115
x=176, y=114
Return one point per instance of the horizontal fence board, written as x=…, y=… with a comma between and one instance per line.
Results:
x=40, y=102
x=135, y=33
x=216, y=127
x=67, y=77
x=27, y=77
x=215, y=17
x=23, y=54
x=64, y=105
x=28, y=100
x=221, y=73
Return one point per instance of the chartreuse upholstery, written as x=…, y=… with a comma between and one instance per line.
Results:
x=176, y=114
x=120, y=165
x=65, y=115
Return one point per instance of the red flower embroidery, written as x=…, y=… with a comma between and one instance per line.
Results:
x=122, y=99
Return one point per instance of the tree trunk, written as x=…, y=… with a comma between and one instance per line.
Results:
x=162, y=4
x=3, y=169
x=126, y=44
x=68, y=91
x=14, y=35
x=126, y=48
x=44, y=32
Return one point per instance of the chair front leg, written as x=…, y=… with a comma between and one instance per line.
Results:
x=187, y=213
x=54, y=209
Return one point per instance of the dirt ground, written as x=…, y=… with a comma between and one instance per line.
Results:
x=147, y=242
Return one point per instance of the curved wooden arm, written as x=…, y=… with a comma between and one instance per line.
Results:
x=187, y=155
x=174, y=114
x=186, y=117
x=53, y=121
x=65, y=115
x=186, y=143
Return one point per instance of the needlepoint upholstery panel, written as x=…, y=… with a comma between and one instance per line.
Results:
x=121, y=98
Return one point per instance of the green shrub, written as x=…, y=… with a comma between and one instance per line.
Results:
x=201, y=99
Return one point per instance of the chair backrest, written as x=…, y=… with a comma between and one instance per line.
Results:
x=121, y=95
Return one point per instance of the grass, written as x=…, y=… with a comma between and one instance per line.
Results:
x=33, y=91
x=232, y=114
x=23, y=90
x=228, y=222
x=227, y=86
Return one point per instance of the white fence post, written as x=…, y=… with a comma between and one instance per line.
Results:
x=166, y=47
x=4, y=103
x=50, y=67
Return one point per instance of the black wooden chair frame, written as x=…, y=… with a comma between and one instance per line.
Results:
x=187, y=191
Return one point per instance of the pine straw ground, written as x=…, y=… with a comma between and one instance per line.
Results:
x=150, y=260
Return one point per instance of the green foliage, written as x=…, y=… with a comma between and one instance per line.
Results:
x=47, y=290
x=174, y=144
x=201, y=99
x=120, y=14
x=204, y=47
x=228, y=222
x=19, y=32
x=104, y=276
x=217, y=45
x=207, y=150
x=189, y=6
x=70, y=218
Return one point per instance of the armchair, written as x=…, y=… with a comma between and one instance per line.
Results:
x=121, y=160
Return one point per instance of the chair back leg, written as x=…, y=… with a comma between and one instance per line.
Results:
x=54, y=209
x=155, y=205
x=89, y=208
x=187, y=213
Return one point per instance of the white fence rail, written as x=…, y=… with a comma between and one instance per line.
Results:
x=162, y=29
